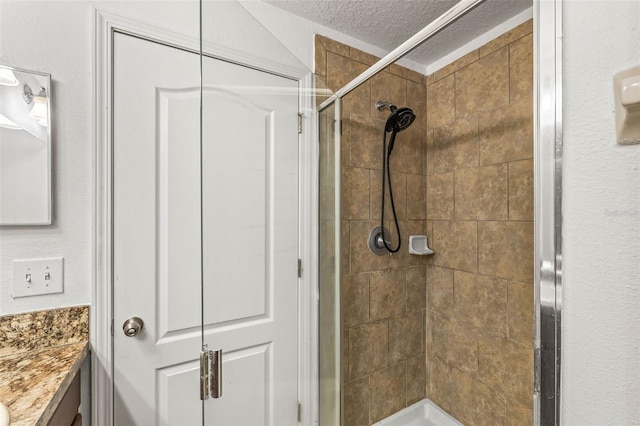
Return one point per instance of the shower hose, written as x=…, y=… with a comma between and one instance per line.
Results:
x=386, y=166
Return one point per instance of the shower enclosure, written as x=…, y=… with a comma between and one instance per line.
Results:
x=475, y=327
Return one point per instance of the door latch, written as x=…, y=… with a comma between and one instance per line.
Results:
x=210, y=374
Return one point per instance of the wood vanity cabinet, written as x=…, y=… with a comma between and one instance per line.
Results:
x=67, y=412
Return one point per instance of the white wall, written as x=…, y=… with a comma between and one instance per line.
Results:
x=601, y=318
x=55, y=38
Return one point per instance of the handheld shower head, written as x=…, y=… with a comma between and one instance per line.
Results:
x=400, y=118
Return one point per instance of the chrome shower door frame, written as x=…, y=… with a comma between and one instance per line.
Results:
x=548, y=146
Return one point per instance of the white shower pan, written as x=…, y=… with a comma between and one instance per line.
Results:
x=422, y=413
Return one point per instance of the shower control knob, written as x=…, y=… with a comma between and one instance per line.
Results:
x=132, y=326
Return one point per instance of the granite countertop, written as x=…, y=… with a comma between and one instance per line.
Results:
x=40, y=354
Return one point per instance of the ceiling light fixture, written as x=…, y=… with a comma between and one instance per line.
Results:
x=7, y=77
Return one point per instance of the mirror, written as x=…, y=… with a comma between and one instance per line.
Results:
x=25, y=147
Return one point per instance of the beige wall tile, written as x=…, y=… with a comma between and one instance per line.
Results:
x=520, y=312
x=320, y=58
x=481, y=193
x=387, y=87
x=341, y=70
x=455, y=343
x=368, y=349
x=455, y=146
x=519, y=415
x=357, y=101
x=361, y=259
x=366, y=142
x=355, y=300
x=388, y=391
x=345, y=140
x=364, y=57
x=474, y=403
x=408, y=228
x=507, y=367
x=416, y=288
x=428, y=80
x=521, y=67
x=387, y=294
x=505, y=250
x=407, y=74
x=355, y=193
x=333, y=46
x=508, y=37
x=406, y=336
x=416, y=197
x=462, y=62
x=441, y=107
x=521, y=190
x=345, y=233
x=356, y=402
x=417, y=101
x=428, y=153
x=321, y=84
x=440, y=196
x=481, y=301
x=407, y=152
x=399, y=181
x=483, y=85
x=506, y=134
x=439, y=383
x=440, y=289
x=416, y=379
x=455, y=245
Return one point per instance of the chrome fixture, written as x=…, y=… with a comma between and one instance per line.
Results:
x=132, y=326
x=376, y=243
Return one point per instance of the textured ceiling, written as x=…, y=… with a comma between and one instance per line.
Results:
x=388, y=23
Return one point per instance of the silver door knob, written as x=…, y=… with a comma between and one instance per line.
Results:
x=132, y=326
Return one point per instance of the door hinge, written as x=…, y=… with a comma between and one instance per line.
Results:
x=300, y=115
x=299, y=412
x=536, y=370
x=210, y=373
x=299, y=268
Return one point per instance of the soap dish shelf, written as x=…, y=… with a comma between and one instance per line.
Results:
x=418, y=245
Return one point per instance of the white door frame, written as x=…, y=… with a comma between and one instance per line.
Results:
x=101, y=320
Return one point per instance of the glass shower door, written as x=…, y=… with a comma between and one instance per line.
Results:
x=330, y=366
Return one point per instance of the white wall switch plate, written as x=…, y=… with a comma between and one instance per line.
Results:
x=32, y=277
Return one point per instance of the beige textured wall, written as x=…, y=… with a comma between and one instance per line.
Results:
x=384, y=298
x=480, y=223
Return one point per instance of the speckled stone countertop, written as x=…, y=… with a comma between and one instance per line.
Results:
x=40, y=354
